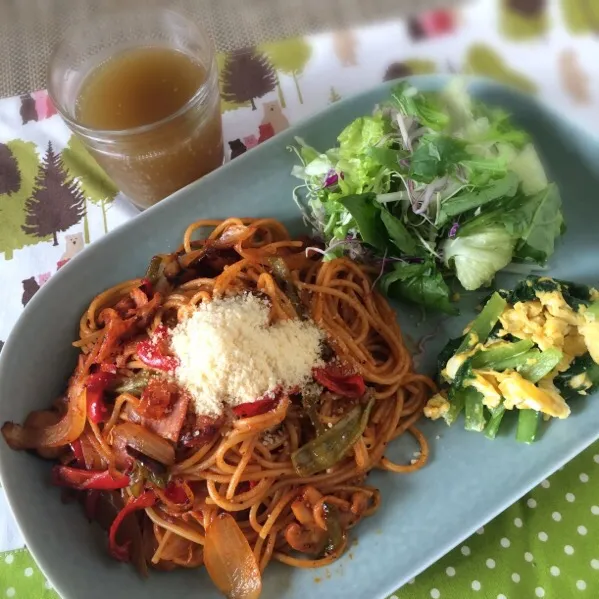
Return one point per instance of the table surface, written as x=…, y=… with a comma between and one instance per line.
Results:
x=545, y=545
x=29, y=28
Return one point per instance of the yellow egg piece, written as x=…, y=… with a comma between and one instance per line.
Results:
x=521, y=393
x=436, y=407
x=485, y=384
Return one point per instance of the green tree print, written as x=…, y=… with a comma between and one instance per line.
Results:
x=56, y=204
x=484, y=61
x=581, y=16
x=95, y=184
x=12, y=204
x=523, y=19
x=290, y=57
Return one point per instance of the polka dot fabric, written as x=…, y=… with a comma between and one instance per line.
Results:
x=21, y=578
x=545, y=545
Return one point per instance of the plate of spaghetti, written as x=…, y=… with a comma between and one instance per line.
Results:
x=226, y=408
x=200, y=404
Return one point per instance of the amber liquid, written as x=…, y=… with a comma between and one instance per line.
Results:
x=152, y=86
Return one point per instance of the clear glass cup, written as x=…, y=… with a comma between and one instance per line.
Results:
x=147, y=162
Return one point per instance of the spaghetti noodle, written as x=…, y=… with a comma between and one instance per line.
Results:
x=282, y=479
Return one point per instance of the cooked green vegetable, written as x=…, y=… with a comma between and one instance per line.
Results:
x=335, y=532
x=325, y=450
x=475, y=416
x=133, y=384
x=582, y=378
x=153, y=271
x=431, y=186
x=529, y=350
x=504, y=356
x=494, y=423
x=283, y=278
x=540, y=364
x=528, y=425
x=483, y=324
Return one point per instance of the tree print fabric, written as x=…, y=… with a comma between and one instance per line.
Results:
x=55, y=200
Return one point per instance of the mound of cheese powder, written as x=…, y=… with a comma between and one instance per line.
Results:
x=229, y=354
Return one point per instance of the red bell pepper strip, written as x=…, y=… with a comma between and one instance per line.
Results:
x=254, y=408
x=83, y=480
x=122, y=552
x=152, y=352
x=96, y=385
x=147, y=287
x=175, y=493
x=346, y=385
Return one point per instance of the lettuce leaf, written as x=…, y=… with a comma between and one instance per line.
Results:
x=477, y=257
x=421, y=284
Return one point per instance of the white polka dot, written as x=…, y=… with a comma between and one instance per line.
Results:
x=28, y=572
x=490, y=563
x=481, y=531
x=465, y=550
x=47, y=584
x=9, y=559
x=581, y=585
x=531, y=503
x=596, y=458
x=394, y=597
x=570, y=497
x=554, y=571
x=543, y=536
x=518, y=522
x=475, y=585
x=505, y=542
x=10, y=592
x=528, y=556
x=595, y=564
x=556, y=516
x=595, y=510
x=540, y=592
x=569, y=549
x=516, y=577
x=584, y=478
x=501, y=596
x=545, y=484
x=411, y=581
x=435, y=594
x=450, y=571
x=582, y=530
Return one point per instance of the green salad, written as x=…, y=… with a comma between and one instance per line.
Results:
x=531, y=351
x=430, y=188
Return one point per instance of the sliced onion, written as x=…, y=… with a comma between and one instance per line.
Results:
x=67, y=430
x=144, y=441
x=230, y=561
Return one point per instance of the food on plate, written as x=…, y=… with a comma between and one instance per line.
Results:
x=431, y=187
x=227, y=407
x=532, y=349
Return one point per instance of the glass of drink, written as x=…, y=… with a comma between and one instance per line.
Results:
x=140, y=89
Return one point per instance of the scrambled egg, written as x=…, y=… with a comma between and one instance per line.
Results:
x=436, y=407
x=523, y=394
x=550, y=322
x=485, y=383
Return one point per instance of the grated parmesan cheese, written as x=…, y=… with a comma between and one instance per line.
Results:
x=229, y=354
